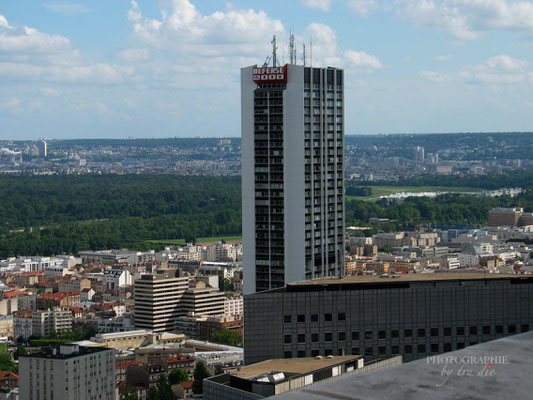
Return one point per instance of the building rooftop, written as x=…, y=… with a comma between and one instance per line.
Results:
x=290, y=365
x=66, y=351
x=390, y=278
x=498, y=369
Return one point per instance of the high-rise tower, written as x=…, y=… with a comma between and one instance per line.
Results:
x=292, y=121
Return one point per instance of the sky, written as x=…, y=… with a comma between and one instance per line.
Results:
x=171, y=68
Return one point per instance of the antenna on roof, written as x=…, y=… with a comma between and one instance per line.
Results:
x=303, y=55
x=274, y=49
x=292, y=49
x=311, y=51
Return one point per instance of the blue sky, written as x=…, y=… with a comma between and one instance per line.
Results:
x=115, y=69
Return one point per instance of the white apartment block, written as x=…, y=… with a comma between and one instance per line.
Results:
x=292, y=121
x=29, y=264
x=233, y=306
x=44, y=322
x=70, y=372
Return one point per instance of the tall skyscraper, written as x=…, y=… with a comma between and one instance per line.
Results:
x=419, y=154
x=292, y=121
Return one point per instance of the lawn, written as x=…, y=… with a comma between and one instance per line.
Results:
x=181, y=242
x=378, y=191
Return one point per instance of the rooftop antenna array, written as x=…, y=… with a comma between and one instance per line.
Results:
x=292, y=49
x=274, y=50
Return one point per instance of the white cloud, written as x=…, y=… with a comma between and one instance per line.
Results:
x=46, y=91
x=360, y=59
x=134, y=55
x=363, y=7
x=323, y=5
x=500, y=70
x=446, y=57
x=69, y=9
x=469, y=19
x=433, y=76
x=30, y=54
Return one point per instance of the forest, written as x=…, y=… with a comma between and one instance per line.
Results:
x=49, y=215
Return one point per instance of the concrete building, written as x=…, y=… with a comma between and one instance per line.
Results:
x=157, y=300
x=233, y=306
x=202, y=301
x=413, y=315
x=292, y=121
x=44, y=322
x=6, y=326
x=272, y=377
x=23, y=324
x=504, y=216
x=70, y=372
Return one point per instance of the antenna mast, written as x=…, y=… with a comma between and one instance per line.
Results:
x=311, y=51
x=274, y=49
x=292, y=49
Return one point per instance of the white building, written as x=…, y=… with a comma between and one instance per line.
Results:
x=70, y=372
x=117, y=278
x=233, y=306
x=29, y=264
x=44, y=322
x=292, y=125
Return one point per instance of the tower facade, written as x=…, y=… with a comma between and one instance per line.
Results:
x=292, y=121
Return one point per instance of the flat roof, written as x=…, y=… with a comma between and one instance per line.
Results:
x=81, y=351
x=420, y=277
x=290, y=365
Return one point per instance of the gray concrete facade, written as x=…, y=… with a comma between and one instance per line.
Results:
x=382, y=319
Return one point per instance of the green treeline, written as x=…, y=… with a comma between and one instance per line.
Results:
x=73, y=213
x=523, y=179
x=444, y=209
x=68, y=214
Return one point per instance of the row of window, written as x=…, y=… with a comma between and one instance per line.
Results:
x=382, y=350
x=408, y=333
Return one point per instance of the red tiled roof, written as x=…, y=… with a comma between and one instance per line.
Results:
x=187, y=384
x=7, y=375
x=14, y=293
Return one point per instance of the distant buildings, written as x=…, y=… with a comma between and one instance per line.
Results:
x=418, y=154
x=292, y=174
x=510, y=217
x=68, y=372
x=44, y=322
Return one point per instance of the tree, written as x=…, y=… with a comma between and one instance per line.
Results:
x=200, y=373
x=177, y=376
x=21, y=351
x=7, y=364
x=226, y=336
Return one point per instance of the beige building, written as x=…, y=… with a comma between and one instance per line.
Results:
x=6, y=326
x=44, y=322
x=504, y=216
x=157, y=300
x=203, y=301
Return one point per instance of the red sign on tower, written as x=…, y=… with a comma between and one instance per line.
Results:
x=270, y=74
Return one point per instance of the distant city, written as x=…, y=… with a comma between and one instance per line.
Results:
x=368, y=158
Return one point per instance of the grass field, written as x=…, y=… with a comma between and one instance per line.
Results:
x=378, y=191
x=199, y=240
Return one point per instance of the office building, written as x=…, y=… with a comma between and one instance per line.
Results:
x=157, y=300
x=69, y=372
x=413, y=315
x=292, y=120
x=203, y=301
x=419, y=154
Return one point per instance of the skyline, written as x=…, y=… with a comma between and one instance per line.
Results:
x=72, y=69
